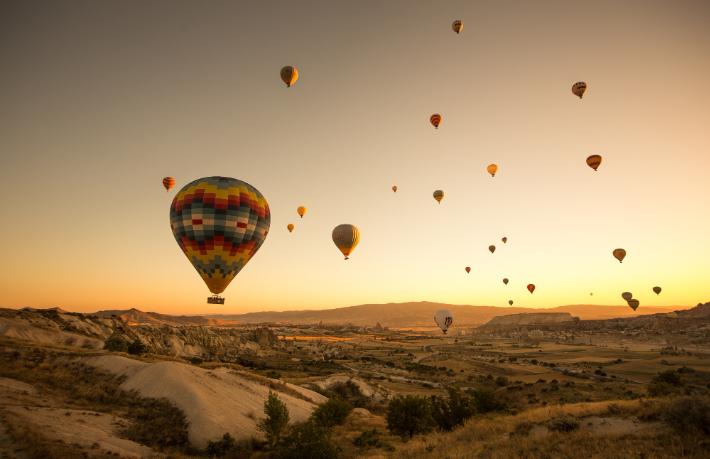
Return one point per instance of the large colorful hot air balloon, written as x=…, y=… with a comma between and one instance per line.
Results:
x=346, y=238
x=457, y=26
x=290, y=227
x=531, y=288
x=443, y=319
x=578, y=88
x=627, y=296
x=301, y=211
x=492, y=169
x=594, y=161
x=505, y=280
x=289, y=75
x=435, y=120
x=633, y=304
x=492, y=248
x=438, y=195
x=619, y=254
x=394, y=188
x=505, y=240
x=219, y=223
x=468, y=269
x=510, y=302
x=168, y=182
x=657, y=290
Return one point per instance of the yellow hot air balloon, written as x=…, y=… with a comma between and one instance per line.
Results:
x=468, y=269
x=289, y=75
x=657, y=290
x=492, y=248
x=627, y=296
x=578, y=88
x=346, y=238
x=290, y=227
x=301, y=211
x=633, y=304
x=435, y=120
x=619, y=254
x=492, y=169
x=438, y=195
x=457, y=26
x=594, y=161
x=394, y=188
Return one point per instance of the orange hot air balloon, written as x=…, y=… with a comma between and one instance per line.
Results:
x=394, y=188
x=435, y=120
x=301, y=211
x=633, y=304
x=510, y=302
x=531, y=288
x=619, y=254
x=457, y=26
x=505, y=240
x=168, y=182
x=468, y=269
x=438, y=195
x=289, y=75
x=492, y=169
x=505, y=280
x=594, y=161
x=578, y=88
x=290, y=227
x=657, y=290
x=492, y=248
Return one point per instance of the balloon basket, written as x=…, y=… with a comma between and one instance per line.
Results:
x=215, y=299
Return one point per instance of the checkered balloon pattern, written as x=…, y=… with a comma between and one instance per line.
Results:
x=219, y=223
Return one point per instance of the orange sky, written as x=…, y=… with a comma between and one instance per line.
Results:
x=100, y=100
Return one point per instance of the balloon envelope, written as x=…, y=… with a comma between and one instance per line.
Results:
x=619, y=254
x=301, y=211
x=492, y=248
x=290, y=227
x=443, y=318
x=394, y=188
x=289, y=75
x=457, y=26
x=435, y=120
x=531, y=288
x=594, y=161
x=510, y=302
x=468, y=269
x=578, y=88
x=504, y=239
x=492, y=169
x=505, y=280
x=346, y=237
x=656, y=290
x=438, y=195
x=219, y=223
x=633, y=304
x=627, y=296
x=168, y=182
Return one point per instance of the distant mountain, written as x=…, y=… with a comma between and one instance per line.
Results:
x=530, y=318
x=417, y=314
x=135, y=317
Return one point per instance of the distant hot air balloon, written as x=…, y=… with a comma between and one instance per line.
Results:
x=531, y=288
x=633, y=304
x=289, y=75
x=219, y=223
x=492, y=248
x=578, y=88
x=438, y=195
x=435, y=120
x=657, y=290
x=505, y=280
x=468, y=269
x=346, y=238
x=443, y=319
x=510, y=302
x=457, y=26
x=290, y=227
x=627, y=296
x=394, y=188
x=301, y=211
x=594, y=161
x=619, y=254
x=505, y=240
x=492, y=169
x=168, y=182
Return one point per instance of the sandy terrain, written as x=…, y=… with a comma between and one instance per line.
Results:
x=19, y=329
x=214, y=401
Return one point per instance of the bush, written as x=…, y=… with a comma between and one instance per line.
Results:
x=371, y=439
x=502, y=381
x=665, y=383
x=331, y=413
x=452, y=412
x=485, y=400
x=348, y=391
x=137, y=347
x=276, y=419
x=563, y=424
x=220, y=447
x=116, y=343
x=409, y=415
x=307, y=440
x=688, y=415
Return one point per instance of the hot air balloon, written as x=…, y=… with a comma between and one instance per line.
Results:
x=657, y=290
x=290, y=227
x=457, y=26
x=219, y=223
x=394, y=188
x=168, y=182
x=346, y=238
x=531, y=288
x=468, y=269
x=438, y=195
x=619, y=254
x=510, y=302
x=492, y=169
x=435, y=120
x=289, y=75
x=492, y=248
x=443, y=319
x=301, y=211
x=505, y=240
x=594, y=161
x=578, y=88
x=627, y=296
x=505, y=280
x=633, y=304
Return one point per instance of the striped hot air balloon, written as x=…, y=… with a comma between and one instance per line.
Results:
x=578, y=88
x=439, y=195
x=457, y=26
x=435, y=120
x=594, y=161
x=168, y=183
x=289, y=75
x=346, y=237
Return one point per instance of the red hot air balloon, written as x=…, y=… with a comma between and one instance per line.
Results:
x=531, y=288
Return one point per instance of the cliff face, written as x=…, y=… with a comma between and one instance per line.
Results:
x=534, y=318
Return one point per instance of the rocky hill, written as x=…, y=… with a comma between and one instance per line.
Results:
x=531, y=318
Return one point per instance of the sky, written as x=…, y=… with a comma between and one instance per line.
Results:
x=100, y=100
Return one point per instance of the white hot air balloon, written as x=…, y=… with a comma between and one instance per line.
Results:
x=443, y=319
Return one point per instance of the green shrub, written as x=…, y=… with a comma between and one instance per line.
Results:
x=220, y=447
x=116, y=343
x=306, y=440
x=331, y=413
x=688, y=415
x=486, y=401
x=276, y=419
x=451, y=412
x=409, y=415
x=350, y=392
x=137, y=347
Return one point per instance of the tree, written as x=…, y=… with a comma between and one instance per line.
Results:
x=331, y=413
x=452, y=412
x=307, y=440
x=409, y=415
x=137, y=347
x=276, y=419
